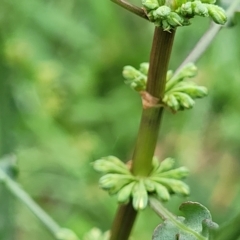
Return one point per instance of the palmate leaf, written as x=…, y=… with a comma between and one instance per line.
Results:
x=196, y=224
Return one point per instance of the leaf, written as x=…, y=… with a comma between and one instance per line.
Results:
x=196, y=224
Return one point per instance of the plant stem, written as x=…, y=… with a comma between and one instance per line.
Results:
x=165, y=214
x=151, y=117
x=207, y=38
x=47, y=221
x=123, y=222
x=134, y=9
x=149, y=127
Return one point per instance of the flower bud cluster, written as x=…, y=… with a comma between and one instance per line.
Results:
x=171, y=14
x=136, y=78
x=66, y=234
x=179, y=93
x=96, y=234
x=162, y=181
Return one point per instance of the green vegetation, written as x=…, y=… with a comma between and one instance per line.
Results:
x=64, y=104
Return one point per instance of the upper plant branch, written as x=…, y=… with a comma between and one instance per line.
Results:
x=132, y=8
x=208, y=37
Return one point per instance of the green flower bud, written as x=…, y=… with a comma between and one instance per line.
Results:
x=125, y=192
x=161, y=191
x=140, y=196
x=66, y=234
x=184, y=99
x=200, y=9
x=135, y=78
x=130, y=73
x=208, y=1
x=114, y=181
x=166, y=26
x=176, y=186
x=149, y=185
x=150, y=4
x=116, y=188
x=188, y=71
x=186, y=9
x=162, y=12
x=171, y=101
x=116, y=161
x=155, y=164
x=144, y=68
x=93, y=234
x=96, y=234
x=105, y=166
x=191, y=89
x=217, y=14
x=169, y=75
x=150, y=15
x=165, y=165
x=174, y=19
x=177, y=173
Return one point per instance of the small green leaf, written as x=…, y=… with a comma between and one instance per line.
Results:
x=195, y=225
x=195, y=214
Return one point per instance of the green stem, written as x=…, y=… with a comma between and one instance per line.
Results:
x=134, y=9
x=207, y=38
x=123, y=222
x=149, y=127
x=47, y=221
x=151, y=117
x=165, y=214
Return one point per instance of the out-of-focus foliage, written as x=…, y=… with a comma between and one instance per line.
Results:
x=63, y=104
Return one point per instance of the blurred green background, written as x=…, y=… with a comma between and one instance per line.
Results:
x=64, y=104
